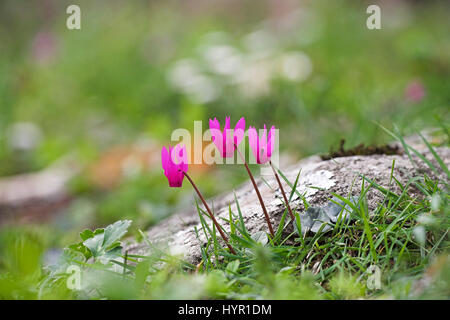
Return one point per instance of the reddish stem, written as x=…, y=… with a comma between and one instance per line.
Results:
x=282, y=191
x=222, y=234
x=257, y=193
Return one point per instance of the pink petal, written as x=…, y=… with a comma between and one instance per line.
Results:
x=253, y=141
x=214, y=124
x=227, y=123
x=173, y=161
x=239, y=131
x=214, y=127
x=184, y=160
x=164, y=158
x=270, y=141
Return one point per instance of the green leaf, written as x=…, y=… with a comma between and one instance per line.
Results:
x=110, y=255
x=115, y=232
x=142, y=271
x=87, y=233
x=280, y=226
x=80, y=247
x=241, y=219
x=233, y=266
x=260, y=237
x=295, y=185
x=298, y=224
x=94, y=244
x=105, y=245
x=436, y=156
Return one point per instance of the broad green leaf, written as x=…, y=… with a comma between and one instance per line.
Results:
x=115, y=232
x=233, y=266
x=105, y=245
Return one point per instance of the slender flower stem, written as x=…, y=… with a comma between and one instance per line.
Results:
x=257, y=193
x=224, y=237
x=282, y=190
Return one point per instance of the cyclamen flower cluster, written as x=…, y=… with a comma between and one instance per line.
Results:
x=174, y=161
x=175, y=164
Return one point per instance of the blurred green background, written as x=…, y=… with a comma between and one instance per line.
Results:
x=107, y=96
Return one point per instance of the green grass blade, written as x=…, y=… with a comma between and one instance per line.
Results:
x=436, y=156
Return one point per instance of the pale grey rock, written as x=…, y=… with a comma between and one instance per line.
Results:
x=317, y=181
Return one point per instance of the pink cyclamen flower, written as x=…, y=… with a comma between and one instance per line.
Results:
x=174, y=163
x=227, y=140
x=415, y=91
x=44, y=47
x=262, y=147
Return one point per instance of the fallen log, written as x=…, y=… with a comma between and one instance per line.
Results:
x=36, y=196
